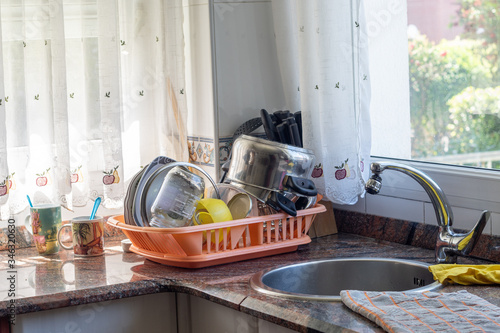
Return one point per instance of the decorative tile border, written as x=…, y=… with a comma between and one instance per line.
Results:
x=225, y=146
x=201, y=151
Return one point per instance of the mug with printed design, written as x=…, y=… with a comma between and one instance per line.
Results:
x=87, y=236
x=43, y=223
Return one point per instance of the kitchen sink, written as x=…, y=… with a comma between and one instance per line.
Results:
x=322, y=280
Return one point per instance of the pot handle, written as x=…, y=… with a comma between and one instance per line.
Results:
x=301, y=186
x=280, y=202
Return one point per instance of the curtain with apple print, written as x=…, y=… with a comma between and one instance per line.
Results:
x=90, y=91
x=323, y=56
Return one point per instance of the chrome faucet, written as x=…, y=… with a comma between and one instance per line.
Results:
x=449, y=244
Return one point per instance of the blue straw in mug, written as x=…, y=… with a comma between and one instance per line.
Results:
x=29, y=200
x=97, y=202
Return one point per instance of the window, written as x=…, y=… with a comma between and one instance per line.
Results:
x=392, y=29
x=451, y=114
x=455, y=81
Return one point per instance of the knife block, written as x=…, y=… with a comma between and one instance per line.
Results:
x=324, y=224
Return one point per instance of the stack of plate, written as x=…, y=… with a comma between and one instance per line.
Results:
x=132, y=209
x=145, y=186
x=128, y=203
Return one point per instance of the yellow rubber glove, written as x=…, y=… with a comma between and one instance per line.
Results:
x=466, y=274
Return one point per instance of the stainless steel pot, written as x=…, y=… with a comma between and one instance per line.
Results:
x=262, y=167
x=288, y=201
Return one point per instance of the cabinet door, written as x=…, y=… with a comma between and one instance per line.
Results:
x=268, y=327
x=195, y=314
x=148, y=313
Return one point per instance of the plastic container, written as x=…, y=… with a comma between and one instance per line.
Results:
x=236, y=240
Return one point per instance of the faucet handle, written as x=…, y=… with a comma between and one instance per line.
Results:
x=451, y=244
x=466, y=244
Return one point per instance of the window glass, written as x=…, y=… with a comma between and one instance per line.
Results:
x=454, y=77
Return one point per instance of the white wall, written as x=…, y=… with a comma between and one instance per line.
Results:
x=247, y=71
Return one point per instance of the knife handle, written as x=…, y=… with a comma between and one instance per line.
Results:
x=293, y=131
x=282, y=115
x=295, y=135
x=298, y=119
x=268, y=124
x=283, y=133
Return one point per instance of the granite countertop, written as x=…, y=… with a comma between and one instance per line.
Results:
x=63, y=280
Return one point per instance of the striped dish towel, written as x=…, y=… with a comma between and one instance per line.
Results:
x=425, y=312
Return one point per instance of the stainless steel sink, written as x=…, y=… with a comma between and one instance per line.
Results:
x=322, y=280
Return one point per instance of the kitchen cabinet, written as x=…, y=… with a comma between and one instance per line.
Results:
x=163, y=312
x=149, y=313
x=196, y=314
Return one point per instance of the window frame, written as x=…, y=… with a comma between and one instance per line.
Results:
x=465, y=187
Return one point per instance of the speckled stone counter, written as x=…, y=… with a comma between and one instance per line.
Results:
x=62, y=280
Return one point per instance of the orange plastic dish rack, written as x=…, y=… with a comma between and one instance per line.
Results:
x=230, y=241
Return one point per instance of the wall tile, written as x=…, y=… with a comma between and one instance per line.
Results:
x=194, y=2
x=410, y=233
x=396, y=208
x=201, y=151
x=495, y=224
x=463, y=218
x=383, y=228
x=359, y=206
x=225, y=146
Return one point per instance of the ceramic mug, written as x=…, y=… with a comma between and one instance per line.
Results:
x=87, y=235
x=43, y=223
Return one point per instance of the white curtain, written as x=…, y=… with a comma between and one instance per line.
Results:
x=90, y=91
x=323, y=56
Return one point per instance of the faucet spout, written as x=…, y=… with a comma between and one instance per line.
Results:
x=449, y=243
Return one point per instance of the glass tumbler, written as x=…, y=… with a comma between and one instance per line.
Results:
x=177, y=199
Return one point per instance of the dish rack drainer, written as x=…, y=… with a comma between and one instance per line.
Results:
x=231, y=241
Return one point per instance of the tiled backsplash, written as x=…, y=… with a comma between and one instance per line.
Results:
x=201, y=151
x=420, y=211
x=406, y=232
